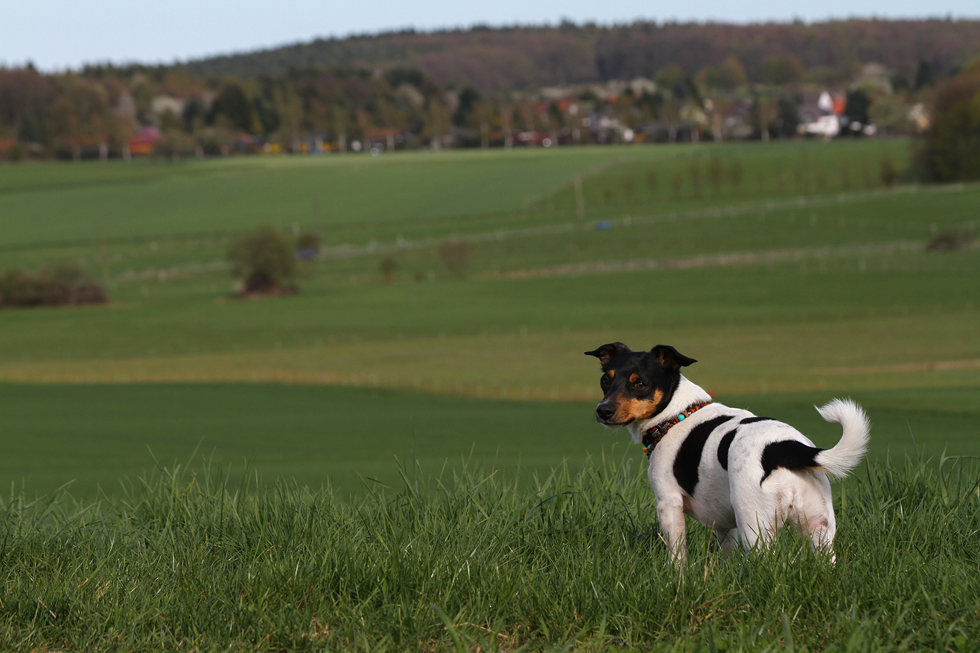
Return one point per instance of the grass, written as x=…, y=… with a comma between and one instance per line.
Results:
x=434, y=478
x=802, y=276
x=96, y=437
x=411, y=193
x=465, y=559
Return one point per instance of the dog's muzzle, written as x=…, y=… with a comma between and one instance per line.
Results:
x=604, y=412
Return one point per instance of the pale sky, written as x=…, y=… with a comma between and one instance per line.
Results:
x=58, y=34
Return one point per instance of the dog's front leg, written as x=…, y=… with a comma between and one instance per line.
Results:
x=671, y=516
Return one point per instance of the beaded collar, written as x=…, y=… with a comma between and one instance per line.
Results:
x=654, y=435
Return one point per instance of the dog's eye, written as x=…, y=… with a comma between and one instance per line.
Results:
x=604, y=382
x=640, y=385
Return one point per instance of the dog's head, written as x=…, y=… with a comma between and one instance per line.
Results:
x=636, y=385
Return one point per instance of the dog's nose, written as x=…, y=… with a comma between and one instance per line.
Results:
x=605, y=411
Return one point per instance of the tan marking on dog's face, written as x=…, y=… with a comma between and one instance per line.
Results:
x=634, y=378
x=631, y=409
x=611, y=374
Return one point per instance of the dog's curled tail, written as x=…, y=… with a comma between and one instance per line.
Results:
x=844, y=457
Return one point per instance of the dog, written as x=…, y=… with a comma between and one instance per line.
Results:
x=742, y=475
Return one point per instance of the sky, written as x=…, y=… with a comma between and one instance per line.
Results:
x=60, y=34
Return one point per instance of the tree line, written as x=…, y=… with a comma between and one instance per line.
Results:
x=102, y=111
x=497, y=59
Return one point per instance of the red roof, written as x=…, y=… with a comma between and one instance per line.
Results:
x=146, y=136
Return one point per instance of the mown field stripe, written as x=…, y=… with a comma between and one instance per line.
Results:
x=707, y=260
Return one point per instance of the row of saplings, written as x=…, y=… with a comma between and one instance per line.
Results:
x=265, y=260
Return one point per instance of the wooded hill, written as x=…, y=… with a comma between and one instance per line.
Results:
x=491, y=59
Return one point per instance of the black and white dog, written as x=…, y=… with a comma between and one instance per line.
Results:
x=742, y=475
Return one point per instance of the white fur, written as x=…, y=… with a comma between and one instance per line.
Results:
x=840, y=460
x=734, y=503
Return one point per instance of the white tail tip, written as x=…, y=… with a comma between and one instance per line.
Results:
x=844, y=457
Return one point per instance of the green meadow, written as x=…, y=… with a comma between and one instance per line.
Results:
x=793, y=272
x=786, y=269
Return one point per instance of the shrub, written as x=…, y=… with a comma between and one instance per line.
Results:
x=456, y=255
x=950, y=240
x=308, y=245
x=264, y=260
x=736, y=172
x=889, y=173
x=388, y=267
x=628, y=183
x=715, y=173
x=63, y=285
x=652, y=180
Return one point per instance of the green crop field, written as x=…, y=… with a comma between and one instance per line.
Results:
x=793, y=272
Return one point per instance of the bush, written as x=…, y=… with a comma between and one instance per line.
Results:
x=388, y=267
x=264, y=260
x=950, y=240
x=889, y=173
x=63, y=285
x=308, y=245
x=456, y=255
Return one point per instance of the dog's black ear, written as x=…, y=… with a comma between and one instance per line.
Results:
x=606, y=353
x=671, y=358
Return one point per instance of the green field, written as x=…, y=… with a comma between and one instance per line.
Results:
x=804, y=275
x=792, y=271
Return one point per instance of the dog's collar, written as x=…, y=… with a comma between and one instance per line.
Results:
x=654, y=435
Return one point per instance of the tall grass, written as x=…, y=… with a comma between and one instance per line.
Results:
x=467, y=560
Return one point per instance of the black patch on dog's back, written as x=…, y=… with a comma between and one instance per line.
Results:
x=788, y=454
x=726, y=441
x=724, y=446
x=689, y=456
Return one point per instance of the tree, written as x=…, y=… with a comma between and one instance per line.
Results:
x=264, y=260
x=393, y=119
x=787, y=117
x=857, y=105
x=290, y=109
x=728, y=76
x=233, y=104
x=340, y=118
x=81, y=115
x=25, y=100
x=890, y=114
x=951, y=150
x=764, y=113
x=782, y=69
x=924, y=77
x=437, y=122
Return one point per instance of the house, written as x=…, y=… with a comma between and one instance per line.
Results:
x=821, y=115
x=145, y=141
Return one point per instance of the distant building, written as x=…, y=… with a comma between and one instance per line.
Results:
x=145, y=141
x=821, y=115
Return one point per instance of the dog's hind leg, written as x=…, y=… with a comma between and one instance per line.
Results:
x=814, y=517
